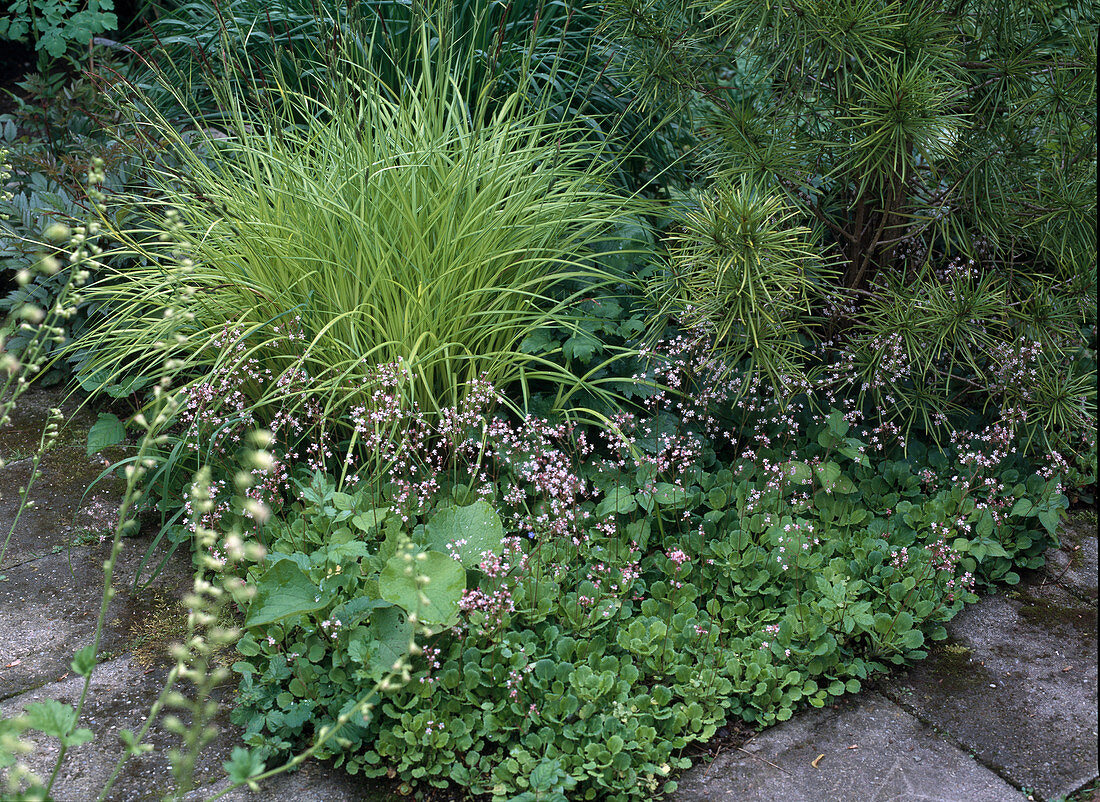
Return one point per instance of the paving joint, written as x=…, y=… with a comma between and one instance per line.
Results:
x=896, y=696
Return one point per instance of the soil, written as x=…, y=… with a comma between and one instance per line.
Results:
x=16, y=60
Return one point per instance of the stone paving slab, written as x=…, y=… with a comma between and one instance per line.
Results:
x=121, y=693
x=1074, y=566
x=61, y=508
x=1016, y=684
x=872, y=751
x=20, y=436
x=120, y=696
x=49, y=606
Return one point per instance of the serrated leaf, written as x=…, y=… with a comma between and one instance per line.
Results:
x=77, y=737
x=128, y=387
x=538, y=342
x=93, y=381
x=106, y=432
x=913, y=639
x=343, y=502
x=350, y=612
x=84, y=661
x=50, y=717
x=243, y=764
x=378, y=646
x=581, y=347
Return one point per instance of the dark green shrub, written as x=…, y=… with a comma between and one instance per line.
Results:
x=941, y=154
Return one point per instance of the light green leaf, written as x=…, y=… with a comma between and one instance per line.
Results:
x=663, y=493
x=77, y=737
x=400, y=583
x=370, y=520
x=106, y=432
x=243, y=765
x=469, y=532
x=797, y=472
x=50, y=717
x=84, y=661
x=342, y=501
x=284, y=591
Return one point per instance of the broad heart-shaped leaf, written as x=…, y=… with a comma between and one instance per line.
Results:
x=797, y=472
x=833, y=479
x=468, y=532
x=398, y=583
x=105, y=432
x=619, y=499
x=284, y=591
x=382, y=643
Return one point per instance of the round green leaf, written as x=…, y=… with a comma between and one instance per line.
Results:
x=400, y=583
x=468, y=532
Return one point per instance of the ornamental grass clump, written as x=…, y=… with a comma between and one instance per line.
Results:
x=380, y=224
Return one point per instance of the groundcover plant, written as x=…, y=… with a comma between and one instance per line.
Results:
x=598, y=601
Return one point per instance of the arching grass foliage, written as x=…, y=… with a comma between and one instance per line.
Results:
x=377, y=224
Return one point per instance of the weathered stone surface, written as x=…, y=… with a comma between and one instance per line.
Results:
x=1074, y=566
x=20, y=436
x=1016, y=685
x=122, y=691
x=49, y=607
x=871, y=749
x=61, y=509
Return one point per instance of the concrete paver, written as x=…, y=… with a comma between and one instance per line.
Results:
x=872, y=751
x=1074, y=566
x=59, y=500
x=1016, y=684
x=49, y=606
